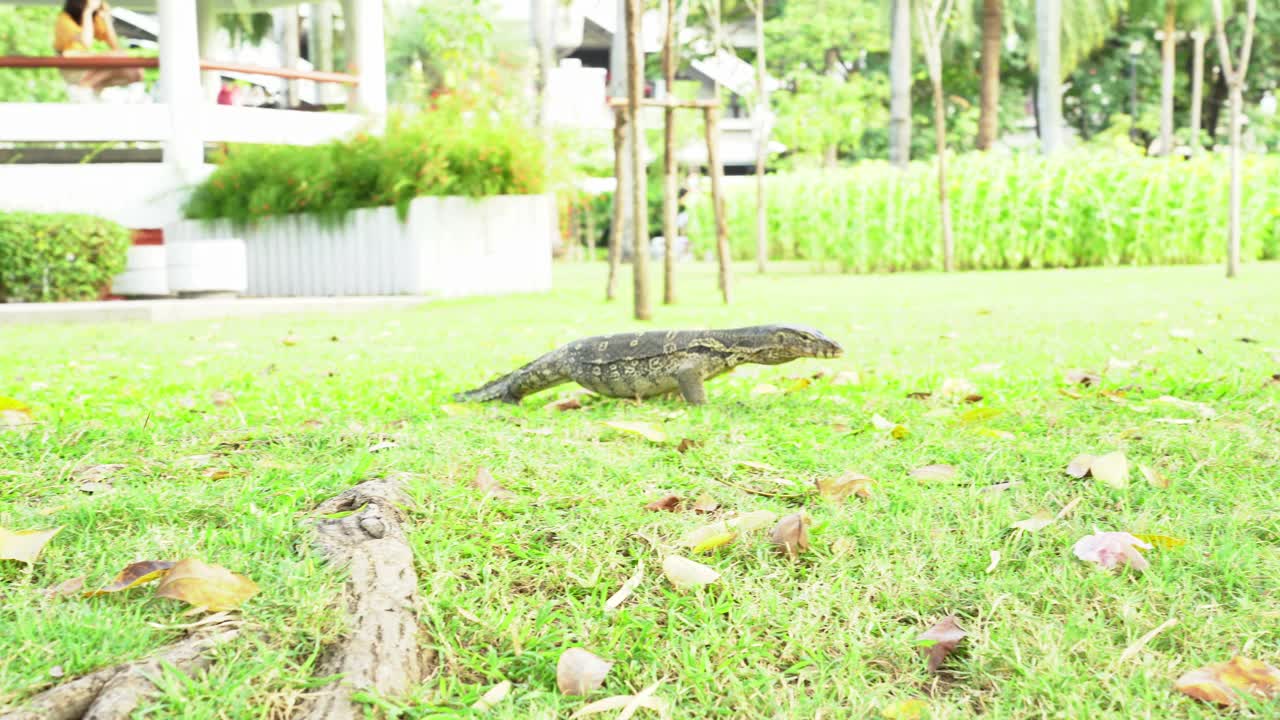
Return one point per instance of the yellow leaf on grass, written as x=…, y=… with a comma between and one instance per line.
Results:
x=714, y=541
x=704, y=534
x=913, y=709
x=979, y=415
x=1164, y=542
x=14, y=412
x=457, y=410
x=133, y=575
x=207, y=586
x=1036, y=522
x=25, y=545
x=1111, y=469
x=753, y=520
x=1154, y=477
x=648, y=431
x=994, y=433
x=1223, y=683
x=766, y=389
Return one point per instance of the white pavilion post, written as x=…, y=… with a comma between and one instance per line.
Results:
x=180, y=86
x=369, y=55
x=322, y=44
x=207, y=27
x=291, y=49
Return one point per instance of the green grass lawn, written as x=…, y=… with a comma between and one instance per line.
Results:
x=508, y=584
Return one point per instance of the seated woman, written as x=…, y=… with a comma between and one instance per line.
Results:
x=78, y=25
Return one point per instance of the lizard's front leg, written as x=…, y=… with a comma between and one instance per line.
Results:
x=691, y=387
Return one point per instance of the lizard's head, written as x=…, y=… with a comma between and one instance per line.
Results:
x=784, y=343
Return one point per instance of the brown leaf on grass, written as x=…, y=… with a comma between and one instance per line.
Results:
x=313, y=424
x=668, y=503
x=580, y=671
x=648, y=431
x=1086, y=378
x=1079, y=465
x=627, y=588
x=1153, y=476
x=215, y=474
x=65, y=588
x=939, y=640
x=685, y=573
x=96, y=473
x=837, y=489
x=207, y=586
x=975, y=398
x=1035, y=523
x=1275, y=379
x=705, y=504
x=846, y=377
x=133, y=575
x=487, y=484
x=919, y=395
x=1225, y=683
x=221, y=398
x=493, y=696
x=934, y=472
x=686, y=445
x=24, y=545
x=791, y=535
x=1111, y=469
x=570, y=403
x=1070, y=393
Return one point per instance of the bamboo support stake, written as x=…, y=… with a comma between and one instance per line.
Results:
x=669, y=230
x=715, y=170
x=615, y=229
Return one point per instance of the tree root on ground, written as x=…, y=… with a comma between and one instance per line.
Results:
x=115, y=692
x=381, y=654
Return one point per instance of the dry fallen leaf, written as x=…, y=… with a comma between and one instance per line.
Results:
x=753, y=520
x=96, y=473
x=1082, y=377
x=133, y=575
x=580, y=671
x=289, y=340
x=1112, y=549
x=629, y=704
x=487, y=484
x=987, y=367
x=897, y=432
x=1111, y=469
x=685, y=573
x=757, y=466
x=846, y=377
x=979, y=415
x=797, y=384
x=14, y=413
x=669, y=503
x=838, y=488
x=934, y=472
x=66, y=587
x=495, y=695
x=791, y=535
x=705, y=504
x=1037, y=522
x=208, y=586
x=995, y=561
x=627, y=588
x=570, y=403
x=1079, y=466
x=1181, y=333
x=686, y=445
x=957, y=388
x=766, y=389
x=648, y=431
x=940, y=640
x=215, y=474
x=1224, y=683
x=1153, y=476
x=25, y=545
x=222, y=398
x=1164, y=542
x=913, y=709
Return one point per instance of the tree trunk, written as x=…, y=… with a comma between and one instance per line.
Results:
x=616, y=233
x=716, y=170
x=1049, y=99
x=989, y=117
x=669, y=182
x=1216, y=97
x=940, y=141
x=1168, y=48
x=900, y=84
x=762, y=142
x=830, y=155
x=639, y=215
x=1237, y=181
x=1197, y=88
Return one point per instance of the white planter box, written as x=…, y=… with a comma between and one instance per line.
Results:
x=145, y=273
x=207, y=266
x=448, y=246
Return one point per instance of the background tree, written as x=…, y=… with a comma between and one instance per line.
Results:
x=635, y=92
x=1235, y=73
x=933, y=26
x=900, y=83
x=992, y=26
x=762, y=120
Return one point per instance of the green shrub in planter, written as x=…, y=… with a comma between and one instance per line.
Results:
x=442, y=152
x=46, y=258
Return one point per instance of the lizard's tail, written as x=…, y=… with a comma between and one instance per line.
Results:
x=499, y=389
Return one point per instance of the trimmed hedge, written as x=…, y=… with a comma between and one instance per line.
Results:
x=442, y=152
x=55, y=257
x=1008, y=212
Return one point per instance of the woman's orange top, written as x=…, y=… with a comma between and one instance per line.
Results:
x=66, y=33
